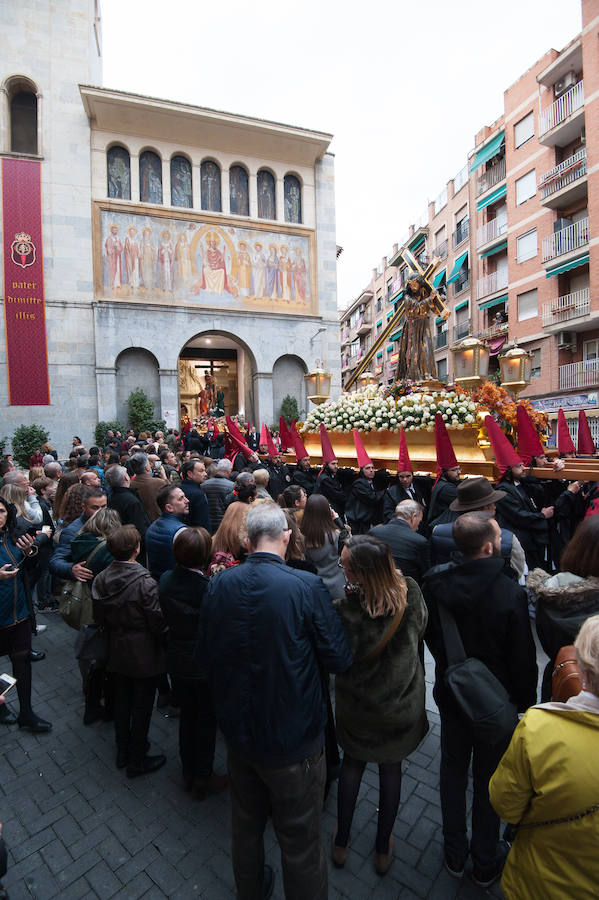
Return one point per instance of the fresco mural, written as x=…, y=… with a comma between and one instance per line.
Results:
x=152, y=257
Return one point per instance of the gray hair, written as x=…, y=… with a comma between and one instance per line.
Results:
x=265, y=521
x=587, y=652
x=407, y=509
x=223, y=465
x=51, y=469
x=138, y=463
x=13, y=477
x=115, y=476
x=261, y=477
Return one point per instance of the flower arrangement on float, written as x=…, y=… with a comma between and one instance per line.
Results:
x=378, y=409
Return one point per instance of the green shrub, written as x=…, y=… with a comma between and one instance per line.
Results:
x=25, y=440
x=102, y=429
x=155, y=425
x=289, y=409
x=141, y=410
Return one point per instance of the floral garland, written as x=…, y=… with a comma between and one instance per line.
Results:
x=504, y=408
x=373, y=409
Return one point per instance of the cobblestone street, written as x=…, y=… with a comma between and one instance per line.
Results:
x=76, y=827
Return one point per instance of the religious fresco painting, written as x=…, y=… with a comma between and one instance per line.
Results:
x=266, y=195
x=150, y=177
x=181, y=192
x=119, y=173
x=210, y=186
x=239, y=191
x=293, y=199
x=150, y=257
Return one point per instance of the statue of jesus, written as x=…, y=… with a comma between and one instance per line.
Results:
x=416, y=355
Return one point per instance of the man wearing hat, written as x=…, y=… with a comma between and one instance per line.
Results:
x=364, y=506
x=475, y=495
x=328, y=483
x=406, y=488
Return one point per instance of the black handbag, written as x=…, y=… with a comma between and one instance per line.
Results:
x=479, y=695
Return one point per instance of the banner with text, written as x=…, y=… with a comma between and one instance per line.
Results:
x=24, y=308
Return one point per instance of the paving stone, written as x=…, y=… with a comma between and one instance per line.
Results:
x=102, y=881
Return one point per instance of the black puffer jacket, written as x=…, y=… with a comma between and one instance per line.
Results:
x=181, y=593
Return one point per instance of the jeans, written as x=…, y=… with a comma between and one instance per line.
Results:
x=197, y=727
x=294, y=796
x=133, y=703
x=458, y=746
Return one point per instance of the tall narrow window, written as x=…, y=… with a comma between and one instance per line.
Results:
x=266, y=195
x=181, y=194
x=238, y=191
x=23, y=122
x=293, y=199
x=210, y=184
x=119, y=173
x=150, y=177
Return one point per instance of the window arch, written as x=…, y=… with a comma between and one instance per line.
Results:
x=293, y=199
x=118, y=171
x=266, y=195
x=23, y=105
x=181, y=190
x=239, y=191
x=150, y=177
x=210, y=186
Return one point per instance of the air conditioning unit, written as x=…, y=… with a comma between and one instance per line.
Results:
x=564, y=84
x=566, y=340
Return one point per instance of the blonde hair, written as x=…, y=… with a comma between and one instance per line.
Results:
x=17, y=495
x=587, y=653
x=103, y=522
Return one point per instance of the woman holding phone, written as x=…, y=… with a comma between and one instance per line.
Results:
x=15, y=621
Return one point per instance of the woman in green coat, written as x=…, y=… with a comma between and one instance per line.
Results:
x=380, y=700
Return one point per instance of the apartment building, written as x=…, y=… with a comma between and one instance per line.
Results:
x=517, y=233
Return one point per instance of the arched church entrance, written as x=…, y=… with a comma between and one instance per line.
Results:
x=216, y=372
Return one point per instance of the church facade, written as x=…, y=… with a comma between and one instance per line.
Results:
x=183, y=250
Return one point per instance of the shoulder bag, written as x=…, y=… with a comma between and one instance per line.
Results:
x=75, y=603
x=479, y=695
x=565, y=680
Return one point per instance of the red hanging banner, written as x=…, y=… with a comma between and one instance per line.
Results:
x=24, y=308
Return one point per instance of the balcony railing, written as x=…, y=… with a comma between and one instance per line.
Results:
x=364, y=325
x=490, y=231
x=461, y=233
x=441, y=250
x=491, y=177
x=561, y=176
x=460, y=179
x=566, y=240
x=569, y=306
x=493, y=331
x=461, y=331
x=579, y=374
x=441, y=340
x=491, y=283
x=563, y=107
x=460, y=286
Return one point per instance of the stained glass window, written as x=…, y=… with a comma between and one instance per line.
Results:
x=293, y=199
x=150, y=177
x=181, y=193
x=119, y=173
x=210, y=185
x=266, y=195
x=238, y=191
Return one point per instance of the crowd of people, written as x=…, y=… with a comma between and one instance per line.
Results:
x=218, y=581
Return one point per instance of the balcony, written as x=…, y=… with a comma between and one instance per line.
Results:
x=491, y=231
x=461, y=331
x=563, y=183
x=493, y=332
x=441, y=340
x=569, y=306
x=364, y=325
x=460, y=286
x=490, y=178
x=566, y=240
x=461, y=233
x=560, y=123
x=495, y=281
x=441, y=250
x=579, y=375
x=344, y=338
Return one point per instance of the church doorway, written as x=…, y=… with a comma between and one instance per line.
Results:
x=215, y=377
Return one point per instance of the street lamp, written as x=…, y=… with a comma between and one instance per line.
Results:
x=516, y=367
x=318, y=384
x=470, y=363
x=366, y=379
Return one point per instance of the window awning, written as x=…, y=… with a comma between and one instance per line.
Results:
x=573, y=264
x=439, y=320
x=397, y=335
x=398, y=297
x=390, y=315
x=379, y=323
x=389, y=348
x=492, y=197
x=455, y=272
x=461, y=305
x=488, y=151
x=496, y=302
x=417, y=243
x=378, y=356
x=439, y=278
x=494, y=250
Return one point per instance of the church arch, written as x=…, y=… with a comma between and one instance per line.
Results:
x=181, y=181
x=136, y=367
x=239, y=194
x=150, y=177
x=288, y=378
x=23, y=108
x=267, y=200
x=118, y=172
x=210, y=185
x=292, y=196
x=230, y=362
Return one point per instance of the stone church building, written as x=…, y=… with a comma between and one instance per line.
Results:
x=177, y=249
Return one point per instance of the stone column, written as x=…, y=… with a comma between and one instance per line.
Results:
x=106, y=390
x=166, y=182
x=280, y=199
x=135, y=178
x=169, y=394
x=224, y=190
x=196, y=186
x=263, y=399
x=241, y=381
x=253, y=194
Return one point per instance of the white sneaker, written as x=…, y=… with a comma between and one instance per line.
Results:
x=41, y=628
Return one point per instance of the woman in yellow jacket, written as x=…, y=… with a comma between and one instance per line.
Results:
x=548, y=784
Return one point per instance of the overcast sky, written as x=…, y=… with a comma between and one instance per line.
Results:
x=402, y=86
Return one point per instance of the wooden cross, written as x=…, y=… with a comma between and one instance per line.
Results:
x=426, y=274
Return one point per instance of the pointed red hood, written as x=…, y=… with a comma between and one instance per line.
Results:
x=266, y=438
x=446, y=458
x=298, y=444
x=234, y=428
x=286, y=439
x=585, y=440
x=505, y=455
x=403, y=462
x=328, y=454
x=529, y=442
x=565, y=443
x=363, y=457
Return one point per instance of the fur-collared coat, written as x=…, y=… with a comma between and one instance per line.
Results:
x=380, y=707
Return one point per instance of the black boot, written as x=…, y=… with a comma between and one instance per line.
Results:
x=21, y=669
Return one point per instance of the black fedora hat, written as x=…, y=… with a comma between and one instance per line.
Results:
x=474, y=493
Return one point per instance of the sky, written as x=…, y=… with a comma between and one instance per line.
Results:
x=402, y=86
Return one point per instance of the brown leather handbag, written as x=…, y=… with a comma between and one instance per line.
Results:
x=565, y=680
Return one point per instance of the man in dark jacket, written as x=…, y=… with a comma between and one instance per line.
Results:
x=127, y=503
x=305, y=475
x=518, y=512
x=364, y=507
x=161, y=534
x=408, y=549
x=444, y=493
x=491, y=613
x=280, y=478
x=194, y=475
x=329, y=485
x=216, y=487
x=407, y=488
x=267, y=632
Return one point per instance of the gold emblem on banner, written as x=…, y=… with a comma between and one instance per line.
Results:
x=23, y=250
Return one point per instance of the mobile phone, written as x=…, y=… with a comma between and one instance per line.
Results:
x=6, y=682
x=32, y=530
